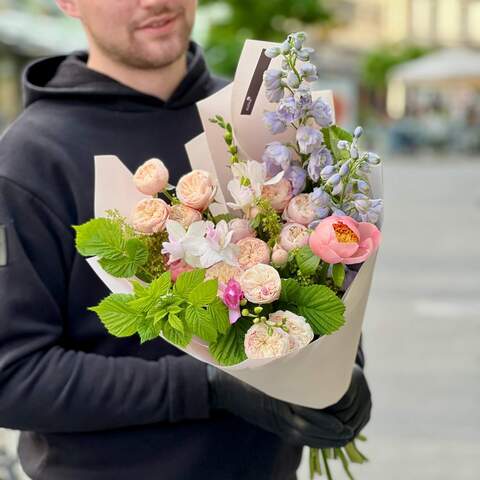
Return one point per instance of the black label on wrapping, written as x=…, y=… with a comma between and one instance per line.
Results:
x=255, y=84
x=3, y=246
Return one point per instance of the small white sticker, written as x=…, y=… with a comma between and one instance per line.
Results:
x=3, y=245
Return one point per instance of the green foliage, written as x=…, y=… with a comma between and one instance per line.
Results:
x=219, y=315
x=338, y=274
x=307, y=261
x=191, y=307
x=317, y=303
x=332, y=135
x=119, y=318
x=267, y=222
x=204, y=294
x=377, y=63
x=200, y=323
x=229, y=348
x=187, y=281
x=264, y=20
x=119, y=255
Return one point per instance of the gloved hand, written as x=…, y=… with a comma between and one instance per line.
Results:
x=297, y=425
x=355, y=407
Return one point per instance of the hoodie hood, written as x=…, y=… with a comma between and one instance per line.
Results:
x=69, y=77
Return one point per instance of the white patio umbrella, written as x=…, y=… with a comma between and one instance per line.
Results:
x=442, y=68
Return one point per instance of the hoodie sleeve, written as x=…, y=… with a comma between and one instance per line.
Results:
x=46, y=387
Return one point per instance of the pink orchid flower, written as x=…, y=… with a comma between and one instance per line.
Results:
x=344, y=240
x=231, y=295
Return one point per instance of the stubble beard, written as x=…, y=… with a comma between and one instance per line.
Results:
x=134, y=54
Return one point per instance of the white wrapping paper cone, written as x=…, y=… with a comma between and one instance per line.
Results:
x=316, y=376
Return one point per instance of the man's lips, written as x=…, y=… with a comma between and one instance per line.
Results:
x=158, y=22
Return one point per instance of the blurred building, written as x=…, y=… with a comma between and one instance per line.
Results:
x=29, y=29
x=363, y=24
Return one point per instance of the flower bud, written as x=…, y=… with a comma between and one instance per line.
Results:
x=354, y=152
x=342, y=145
x=358, y=132
x=245, y=312
x=344, y=169
x=285, y=47
x=327, y=172
x=272, y=52
x=334, y=179
x=373, y=158
x=258, y=310
x=292, y=80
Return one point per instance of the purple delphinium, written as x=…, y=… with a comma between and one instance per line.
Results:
x=287, y=110
x=321, y=201
x=309, y=139
x=297, y=177
x=274, y=123
x=318, y=160
x=277, y=153
x=322, y=113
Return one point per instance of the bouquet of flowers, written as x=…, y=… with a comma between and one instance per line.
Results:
x=249, y=289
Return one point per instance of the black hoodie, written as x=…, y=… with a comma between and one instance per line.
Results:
x=92, y=406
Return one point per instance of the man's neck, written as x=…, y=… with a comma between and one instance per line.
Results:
x=160, y=83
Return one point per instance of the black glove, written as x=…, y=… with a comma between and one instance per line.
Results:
x=355, y=407
x=297, y=425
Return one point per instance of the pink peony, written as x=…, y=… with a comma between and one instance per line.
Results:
x=150, y=215
x=178, y=267
x=241, y=229
x=300, y=210
x=294, y=235
x=261, y=284
x=252, y=252
x=184, y=215
x=278, y=194
x=231, y=295
x=196, y=189
x=223, y=272
x=260, y=343
x=299, y=330
x=279, y=256
x=151, y=177
x=344, y=240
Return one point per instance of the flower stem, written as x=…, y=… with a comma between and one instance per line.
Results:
x=327, y=467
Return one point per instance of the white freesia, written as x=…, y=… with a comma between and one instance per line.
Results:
x=248, y=180
x=180, y=244
x=212, y=244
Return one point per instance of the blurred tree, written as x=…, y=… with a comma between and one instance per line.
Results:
x=377, y=63
x=260, y=19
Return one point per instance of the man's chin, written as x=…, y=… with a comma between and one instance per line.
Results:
x=160, y=55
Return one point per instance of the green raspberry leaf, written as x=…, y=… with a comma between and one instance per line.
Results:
x=176, y=337
x=117, y=316
x=204, y=293
x=126, y=262
x=321, y=308
x=290, y=289
x=187, y=281
x=332, y=135
x=99, y=236
x=176, y=322
x=307, y=261
x=200, y=323
x=148, y=330
x=229, y=348
x=218, y=312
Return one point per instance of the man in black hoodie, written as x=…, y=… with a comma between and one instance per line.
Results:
x=92, y=406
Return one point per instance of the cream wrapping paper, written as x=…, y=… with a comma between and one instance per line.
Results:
x=319, y=374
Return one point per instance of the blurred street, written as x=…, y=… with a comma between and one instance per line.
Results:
x=422, y=327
